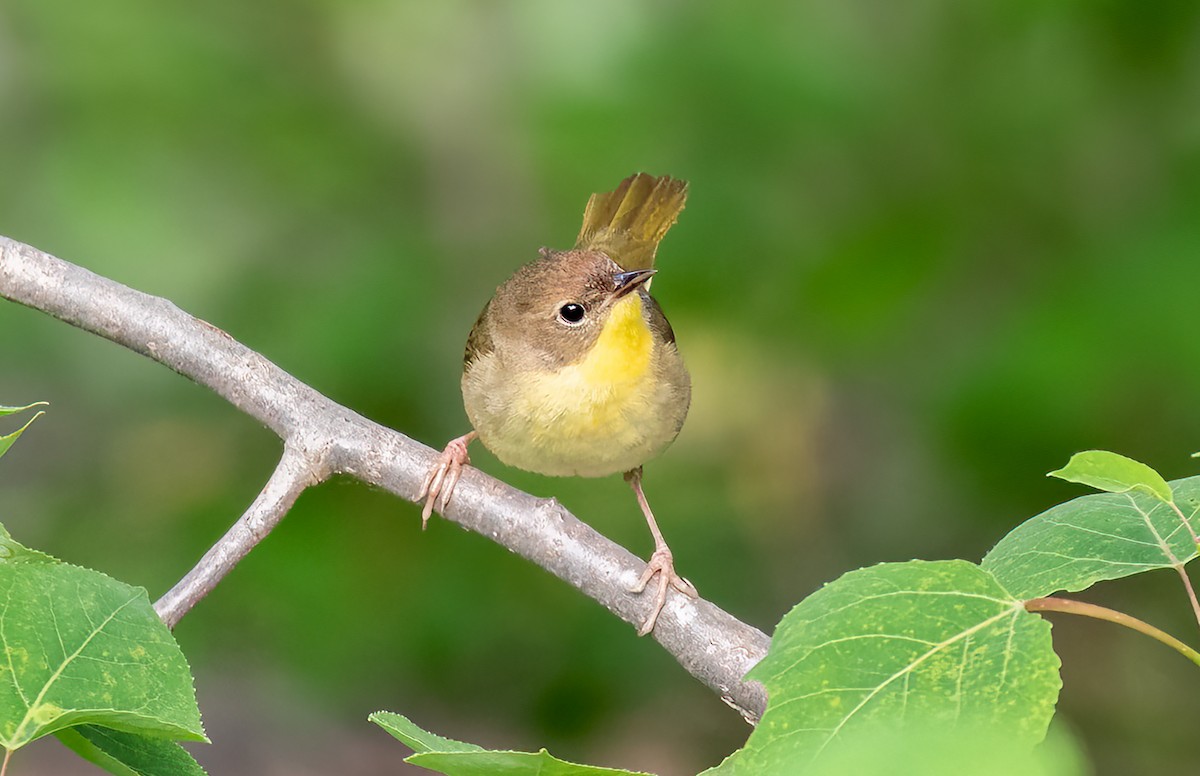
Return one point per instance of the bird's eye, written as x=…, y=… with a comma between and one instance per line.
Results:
x=571, y=313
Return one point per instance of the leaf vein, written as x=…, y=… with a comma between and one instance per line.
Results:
x=58, y=672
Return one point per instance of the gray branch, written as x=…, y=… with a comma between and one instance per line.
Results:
x=322, y=438
x=294, y=473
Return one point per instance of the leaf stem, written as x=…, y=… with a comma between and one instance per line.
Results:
x=4, y=765
x=1070, y=606
x=1186, y=524
x=1187, y=585
x=1179, y=565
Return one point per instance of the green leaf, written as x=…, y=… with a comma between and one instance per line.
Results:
x=7, y=440
x=456, y=758
x=12, y=551
x=486, y=763
x=1092, y=538
x=5, y=410
x=129, y=754
x=82, y=648
x=899, y=644
x=932, y=751
x=416, y=738
x=1114, y=473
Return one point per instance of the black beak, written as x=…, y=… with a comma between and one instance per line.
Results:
x=624, y=282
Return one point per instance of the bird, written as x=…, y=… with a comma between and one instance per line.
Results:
x=572, y=368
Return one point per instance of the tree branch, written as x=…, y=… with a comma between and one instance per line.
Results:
x=322, y=438
x=293, y=474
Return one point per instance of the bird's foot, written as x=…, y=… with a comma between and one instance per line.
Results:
x=662, y=565
x=443, y=476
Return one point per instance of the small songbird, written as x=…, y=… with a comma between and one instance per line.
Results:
x=572, y=369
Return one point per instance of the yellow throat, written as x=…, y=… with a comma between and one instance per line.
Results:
x=599, y=415
x=621, y=355
x=615, y=408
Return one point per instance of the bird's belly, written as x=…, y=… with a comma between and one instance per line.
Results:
x=562, y=424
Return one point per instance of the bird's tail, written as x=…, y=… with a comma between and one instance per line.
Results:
x=629, y=222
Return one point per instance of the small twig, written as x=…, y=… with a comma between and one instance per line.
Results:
x=290, y=478
x=1070, y=606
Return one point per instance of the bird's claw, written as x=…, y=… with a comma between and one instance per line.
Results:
x=439, y=483
x=662, y=565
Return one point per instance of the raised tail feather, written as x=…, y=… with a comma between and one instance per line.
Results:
x=629, y=222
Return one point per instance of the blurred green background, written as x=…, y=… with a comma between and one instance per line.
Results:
x=932, y=249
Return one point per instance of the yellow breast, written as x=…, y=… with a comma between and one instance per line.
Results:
x=595, y=401
x=606, y=414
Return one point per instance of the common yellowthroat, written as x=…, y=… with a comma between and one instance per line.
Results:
x=572, y=369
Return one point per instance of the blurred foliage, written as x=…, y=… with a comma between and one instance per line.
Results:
x=932, y=249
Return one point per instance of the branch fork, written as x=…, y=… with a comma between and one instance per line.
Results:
x=322, y=438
